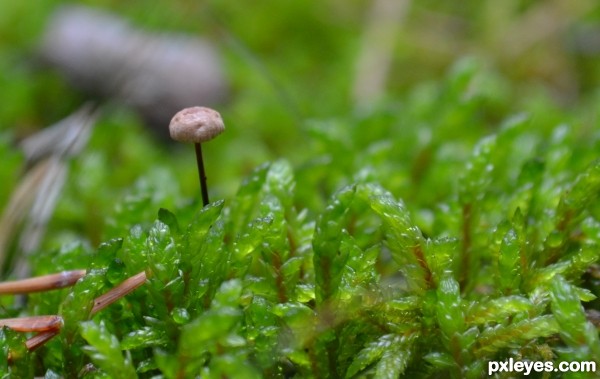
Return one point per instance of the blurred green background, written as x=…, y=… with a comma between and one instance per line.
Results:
x=303, y=73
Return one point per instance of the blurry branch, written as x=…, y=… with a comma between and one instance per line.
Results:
x=542, y=21
x=377, y=48
x=33, y=201
x=64, y=139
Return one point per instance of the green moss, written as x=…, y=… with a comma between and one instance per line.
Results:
x=422, y=236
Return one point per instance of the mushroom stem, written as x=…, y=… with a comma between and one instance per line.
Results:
x=202, y=174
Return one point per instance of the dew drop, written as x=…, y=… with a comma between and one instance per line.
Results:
x=554, y=239
x=180, y=315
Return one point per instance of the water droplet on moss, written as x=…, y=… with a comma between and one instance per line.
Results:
x=554, y=240
x=180, y=315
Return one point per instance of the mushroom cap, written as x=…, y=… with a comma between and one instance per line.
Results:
x=196, y=124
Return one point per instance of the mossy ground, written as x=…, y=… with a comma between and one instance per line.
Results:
x=454, y=221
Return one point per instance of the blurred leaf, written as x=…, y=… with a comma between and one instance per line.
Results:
x=21, y=364
x=509, y=263
x=575, y=330
x=75, y=308
x=403, y=238
x=107, y=250
x=169, y=219
x=162, y=253
x=245, y=202
x=450, y=315
x=145, y=337
x=497, y=310
x=329, y=260
x=391, y=353
x=105, y=351
x=495, y=338
x=204, y=332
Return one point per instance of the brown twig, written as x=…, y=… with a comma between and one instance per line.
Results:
x=40, y=339
x=33, y=323
x=122, y=290
x=50, y=326
x=42, y=283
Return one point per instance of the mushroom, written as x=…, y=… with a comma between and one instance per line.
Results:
x=197, y=125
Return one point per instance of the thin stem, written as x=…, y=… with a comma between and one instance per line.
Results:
x=42, y=283
x=202, y=173
x=33, y=323
x=40, y=339
x=122, y=290
x=50, y=326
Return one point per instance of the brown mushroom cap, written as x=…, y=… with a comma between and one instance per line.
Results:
x=196, y=124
